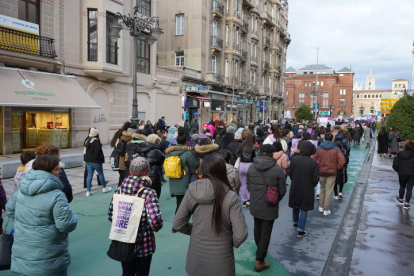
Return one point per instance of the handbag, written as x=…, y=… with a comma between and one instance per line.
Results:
x=126, y=219
x=6, y=243
x=272, y=193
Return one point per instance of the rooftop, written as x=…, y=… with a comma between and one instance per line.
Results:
x=291, y=70
x=345, y=70
x=315, y=67
x=400, y=80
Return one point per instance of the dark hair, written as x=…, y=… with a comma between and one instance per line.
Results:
x=126, y=125
x=133, y=125
x=338, y=144
x=52, y=150
x=259, y=132
x=276, y=132
x=204, y=141
x=116, y=136
x=214, y=169
x=306, y=135
x=409, y=145
x=248, y=143
x=26, y=156
x=328, y=137
x=181, y=139
x=286, y=132
x=45, y=162
x=278, y=146
x=226, y=154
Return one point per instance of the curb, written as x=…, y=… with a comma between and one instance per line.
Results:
x=340, y=256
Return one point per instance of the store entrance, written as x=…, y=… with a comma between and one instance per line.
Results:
x=40, y=126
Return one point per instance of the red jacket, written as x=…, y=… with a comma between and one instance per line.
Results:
x=330, y=159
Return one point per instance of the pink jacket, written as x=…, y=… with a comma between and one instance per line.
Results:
x=281, y=160
x=211, y=128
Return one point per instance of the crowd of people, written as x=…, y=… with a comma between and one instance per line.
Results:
x=213, y=173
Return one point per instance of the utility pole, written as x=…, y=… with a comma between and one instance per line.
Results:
x=317, y=82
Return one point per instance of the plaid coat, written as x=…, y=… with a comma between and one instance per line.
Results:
x=151, y=219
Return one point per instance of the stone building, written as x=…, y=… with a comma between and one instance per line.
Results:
x=231, y=55
x=57, y=56
x=368, y=102
x=331, y=89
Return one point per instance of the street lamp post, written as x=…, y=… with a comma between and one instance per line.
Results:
x=138, y=27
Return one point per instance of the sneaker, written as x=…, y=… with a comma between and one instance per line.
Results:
x=326, y=213
x=245, y=204
x=106, y=189
x=320, y=209
x=401, y=202
x=248, y=203
x=88, y=193
x=317, y=197
x=260, y=266
x=341, y=196
x=295, y=225
x=302, y=234
x=407, y=206
x=336, y=197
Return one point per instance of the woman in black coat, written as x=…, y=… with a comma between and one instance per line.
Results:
x=304, y=172
x=383, y=142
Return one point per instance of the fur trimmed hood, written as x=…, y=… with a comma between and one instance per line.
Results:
x=206, y=148
x=126, y=136
x=176, y=148
x=139, y=137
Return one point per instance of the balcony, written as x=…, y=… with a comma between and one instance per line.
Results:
x=249, y=4
x=244, y=55
x=265, y=65
x=216, y=43
x=26, y=43
x=268, y=17
x=266, y=41
x=215, y=78
x=217, y=10
x=245, y=26
x=237, y=15
x=255, y=35
x=253, y=61
x=236, y=48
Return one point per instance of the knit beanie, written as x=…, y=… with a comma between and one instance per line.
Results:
x=139, y=166
x=230, y=129
x=93, y=132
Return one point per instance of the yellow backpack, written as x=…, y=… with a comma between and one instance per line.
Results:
x=172, y=167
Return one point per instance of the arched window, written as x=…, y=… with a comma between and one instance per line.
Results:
x=365, y=96
x=357, y=96
x=369, y=96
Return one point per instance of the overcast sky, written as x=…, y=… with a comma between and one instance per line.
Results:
x=364, y=34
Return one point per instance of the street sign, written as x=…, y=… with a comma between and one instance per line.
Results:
x=315, y=106
x=324, y=113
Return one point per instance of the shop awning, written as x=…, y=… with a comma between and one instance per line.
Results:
x=38, y=89
x=199, y=97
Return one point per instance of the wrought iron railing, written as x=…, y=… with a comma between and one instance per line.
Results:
x=22, y=42
x=244, y=55
x=217, y=7
x=216, y=42
x=245, y=26
x=218, y=78
x=266, y=41
x=236, y=47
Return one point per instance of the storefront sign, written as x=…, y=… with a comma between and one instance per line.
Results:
x=240, y=101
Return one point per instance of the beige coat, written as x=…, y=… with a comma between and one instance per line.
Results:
x=209, y=254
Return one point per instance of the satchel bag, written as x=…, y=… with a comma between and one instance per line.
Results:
x=6, y=243
x=126, y=218
x=272, y=193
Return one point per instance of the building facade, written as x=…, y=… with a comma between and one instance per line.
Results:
x=368, y=102
x=231, y=55
x=320, y=84
x=66, y=41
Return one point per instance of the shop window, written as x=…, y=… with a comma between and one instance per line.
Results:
x=144, y=7
x=43, y=127
x=111, y=47
x=143, y=56
x=92, y=35
x=29, y=10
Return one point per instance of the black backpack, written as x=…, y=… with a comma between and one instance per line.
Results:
x=119, y=151
x=133, y=151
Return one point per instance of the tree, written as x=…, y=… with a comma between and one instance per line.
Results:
x=303, y=113
x=402, y=117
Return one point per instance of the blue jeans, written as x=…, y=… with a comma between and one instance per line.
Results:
x=300, y=216
x=91, y=167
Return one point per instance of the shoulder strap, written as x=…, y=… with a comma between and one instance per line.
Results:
x=264, y=180
x=139, y=191
x=195, y=207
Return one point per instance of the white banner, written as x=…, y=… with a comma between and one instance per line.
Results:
x=19, y=25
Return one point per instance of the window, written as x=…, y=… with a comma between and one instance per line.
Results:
x=179, y=58
x=236, y=70
x=227, y=34
x=144, y=7
x=305, y=73
x=321, y=83
x=301, y=95
x=213, y=64
x=357, y=96
x=325, y=95
x=228, y=6
x=143, y=55
x=342, y=102
x=301, y=101
x=214, y=28
x=395, y=86
x=92, y=35
x=306, y=84
x=325, y=103
x=179, y=24
x=313, y=84
x=342, y=92
x=365, y=96
x=369, y=96
x=226, y=68
x=29, y=10
x=111, y=47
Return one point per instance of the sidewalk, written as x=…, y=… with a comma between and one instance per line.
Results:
x=384, y=242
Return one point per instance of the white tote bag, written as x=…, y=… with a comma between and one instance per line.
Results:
x=126, y=217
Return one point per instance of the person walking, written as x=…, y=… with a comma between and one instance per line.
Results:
x=227, y=138
x=403, y=164
x=179, y=186
x=276, y=136
x=194, y=125
x=120, y=142
x=382, y=142
x=218, y=221
x=342, y=174
x=43, y=220
x=149, y=128
x=358, y=132
x=262, y=174
x=394, y=139
x=281, y=157
x=330, y=160
x=304, y=173
x=161, y=124
x=151, y=220
x=367, y=136
x=247, y=152
x=94, y=158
